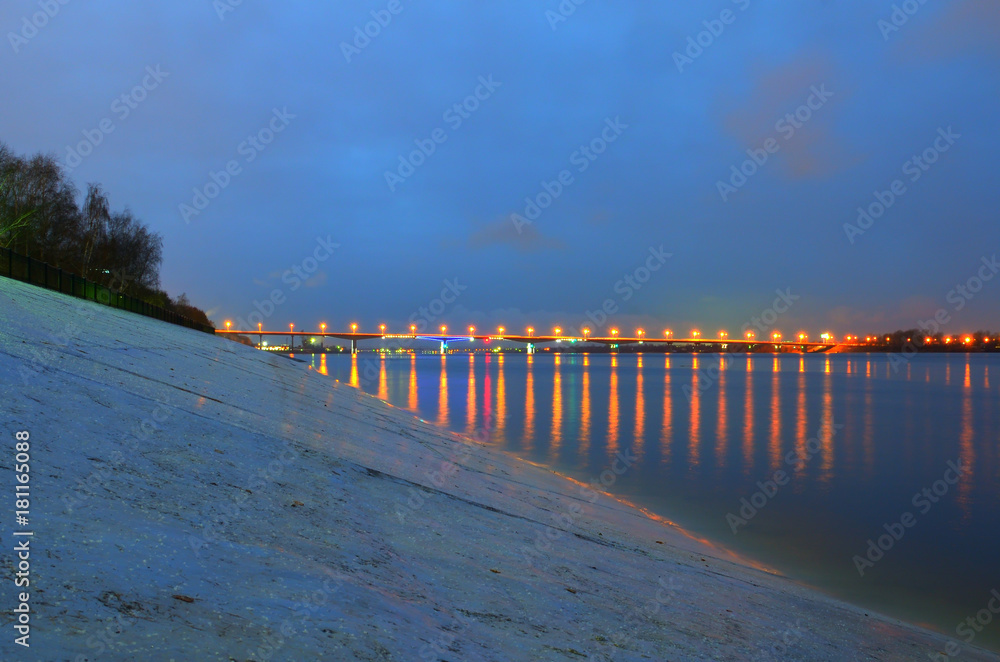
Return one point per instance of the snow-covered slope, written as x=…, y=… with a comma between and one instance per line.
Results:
x=195, y=499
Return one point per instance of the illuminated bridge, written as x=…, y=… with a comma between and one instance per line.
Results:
x=800, y=342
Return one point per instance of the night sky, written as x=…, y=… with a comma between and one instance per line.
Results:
x=626, y=131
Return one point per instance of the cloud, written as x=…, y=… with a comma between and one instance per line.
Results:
x=962, y=27
x=503, y=232
x=813, y=150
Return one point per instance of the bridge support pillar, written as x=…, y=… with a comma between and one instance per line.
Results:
x=354, y=346
x=531, y=348
x=444, y=347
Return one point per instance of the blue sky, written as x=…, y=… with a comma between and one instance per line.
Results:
x=555, y=87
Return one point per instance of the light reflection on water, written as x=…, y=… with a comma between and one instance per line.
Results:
x=706, y=429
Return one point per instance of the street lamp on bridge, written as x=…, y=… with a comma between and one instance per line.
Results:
x=472, y=331
x=322, y=331
x=381, y=327
x=531, y=330
x=354, y=328
x=695, y=333
x=751, y=335
x=228, y=324
x=776, y=335
x=723, y=335
x=667, y=333
x=639, y=333
x=501, y=330
x=413, y=330
x=291, y=338
x=586, y=332
x=444, y=328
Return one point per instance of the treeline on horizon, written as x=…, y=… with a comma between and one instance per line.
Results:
x=41, y=218
x=916, y=340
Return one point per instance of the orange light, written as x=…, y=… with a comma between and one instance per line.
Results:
x=413, y=329
x=291, y=327
x=586, y=332
x=967, y=340
x=667, y=333
x=228, y=324
x=558, y=331
x=750, y=335
x=259, y=326
x=723, y=334
x=639, y=332
x=381, y=327
x=614, y=332
x=322, y=328
x=443, y=328
x=354, y=328
x=776, y=335
x=530, y=331
x=472, y=330
x=695, y=333
x=501, y=329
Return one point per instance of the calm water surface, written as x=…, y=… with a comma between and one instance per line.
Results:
x=872, y=432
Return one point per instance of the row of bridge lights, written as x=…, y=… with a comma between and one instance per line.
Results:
x=640, y=333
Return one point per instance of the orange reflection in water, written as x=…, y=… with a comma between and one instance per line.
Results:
x=412, y=393
x=557, y=405
x=800, y=427
x=322, y=365
x=721, y=431
x=966, y=450
x=695, y=448
x=585, y=408
x=487, y=400
x=968, y=376
x=354, y=370
x=443, y=394
x=383, y=383
x=748, y=421
x=501, y=399
x=826, y=469
x=668, y=412
x=529, y=405
x=470, y=403
x=640, y=410
x=775, y=444
x=613, y=408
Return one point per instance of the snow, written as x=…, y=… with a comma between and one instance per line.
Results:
x=193, y=498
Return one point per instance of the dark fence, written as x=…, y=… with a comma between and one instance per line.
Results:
x=25, y=269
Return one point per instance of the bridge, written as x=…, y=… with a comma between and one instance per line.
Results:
x=800, y=344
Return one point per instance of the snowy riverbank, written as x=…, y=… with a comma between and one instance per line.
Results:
x=193, y=498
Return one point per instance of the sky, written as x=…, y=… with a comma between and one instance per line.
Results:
x=535, y=162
